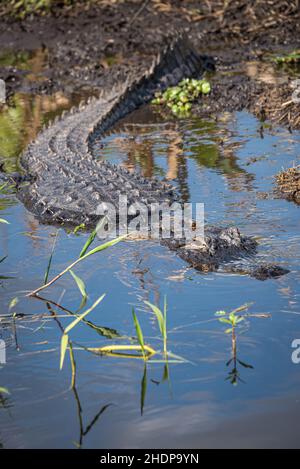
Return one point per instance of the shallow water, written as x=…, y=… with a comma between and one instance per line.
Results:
x=229, y=165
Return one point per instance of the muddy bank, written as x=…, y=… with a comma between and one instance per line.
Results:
x=87, y=49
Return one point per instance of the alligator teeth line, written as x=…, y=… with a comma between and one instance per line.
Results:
x=66, y=184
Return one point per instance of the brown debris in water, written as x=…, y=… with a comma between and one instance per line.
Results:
x=288, y=183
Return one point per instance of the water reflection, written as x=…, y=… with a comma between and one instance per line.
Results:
x=209, y=161
x=163, y=149
x=21, y=121
x=234, y=375
x=83, y=429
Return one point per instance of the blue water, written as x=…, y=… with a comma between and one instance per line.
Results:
x=230, y=168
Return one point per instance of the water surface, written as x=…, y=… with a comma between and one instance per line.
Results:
x=229, y=165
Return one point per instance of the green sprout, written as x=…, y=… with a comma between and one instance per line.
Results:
x=291, y=58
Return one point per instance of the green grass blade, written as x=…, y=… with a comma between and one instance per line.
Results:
x=139, y=332
x=224, y=320
x=77, y=320
x=92, y=237
x=165, y=324
x=143, y=389
x=2, y=220
x=80, y=284
x=50, y=260
x=103, y=246
x=63, y=348
x=158, y=314
x=13, y=303
x=4, y=390
x=79, y=227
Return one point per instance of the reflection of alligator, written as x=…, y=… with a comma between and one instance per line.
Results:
x=66, y=183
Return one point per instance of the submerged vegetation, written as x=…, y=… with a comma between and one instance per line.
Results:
x=180, y=98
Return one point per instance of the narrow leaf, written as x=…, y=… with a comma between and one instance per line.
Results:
x=224, y=320
x=245, y=365
x=79, y=227
x=103, y=246
x=77, y=320
x=4, y=390
x=4, y=221
x=63, y=348
x=92, y=237
x=232, y=317
x=80, y=284
x=158, y=314
x=139, y=332
x=143, y=389
x=50, y=260
x=13, y=303
x=239, y=319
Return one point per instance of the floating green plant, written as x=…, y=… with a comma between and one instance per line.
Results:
x=180, y=98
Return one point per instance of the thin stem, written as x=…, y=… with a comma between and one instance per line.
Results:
x=73, y=365
x=35, y=292
x=93, y=251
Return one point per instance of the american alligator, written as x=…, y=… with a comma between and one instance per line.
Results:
x=65, y=183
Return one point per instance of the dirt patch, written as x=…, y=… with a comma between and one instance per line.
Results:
x=288, y=183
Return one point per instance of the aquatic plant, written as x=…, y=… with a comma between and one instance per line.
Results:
x=290, y=58
x=180, y=98
x=233, y=319
x=162, y=321
x=65, y=337
x=4, y=390
x=84, y=254
x=122, y=350
x=139, y=333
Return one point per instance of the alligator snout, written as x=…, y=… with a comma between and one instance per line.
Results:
x=263, y=272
